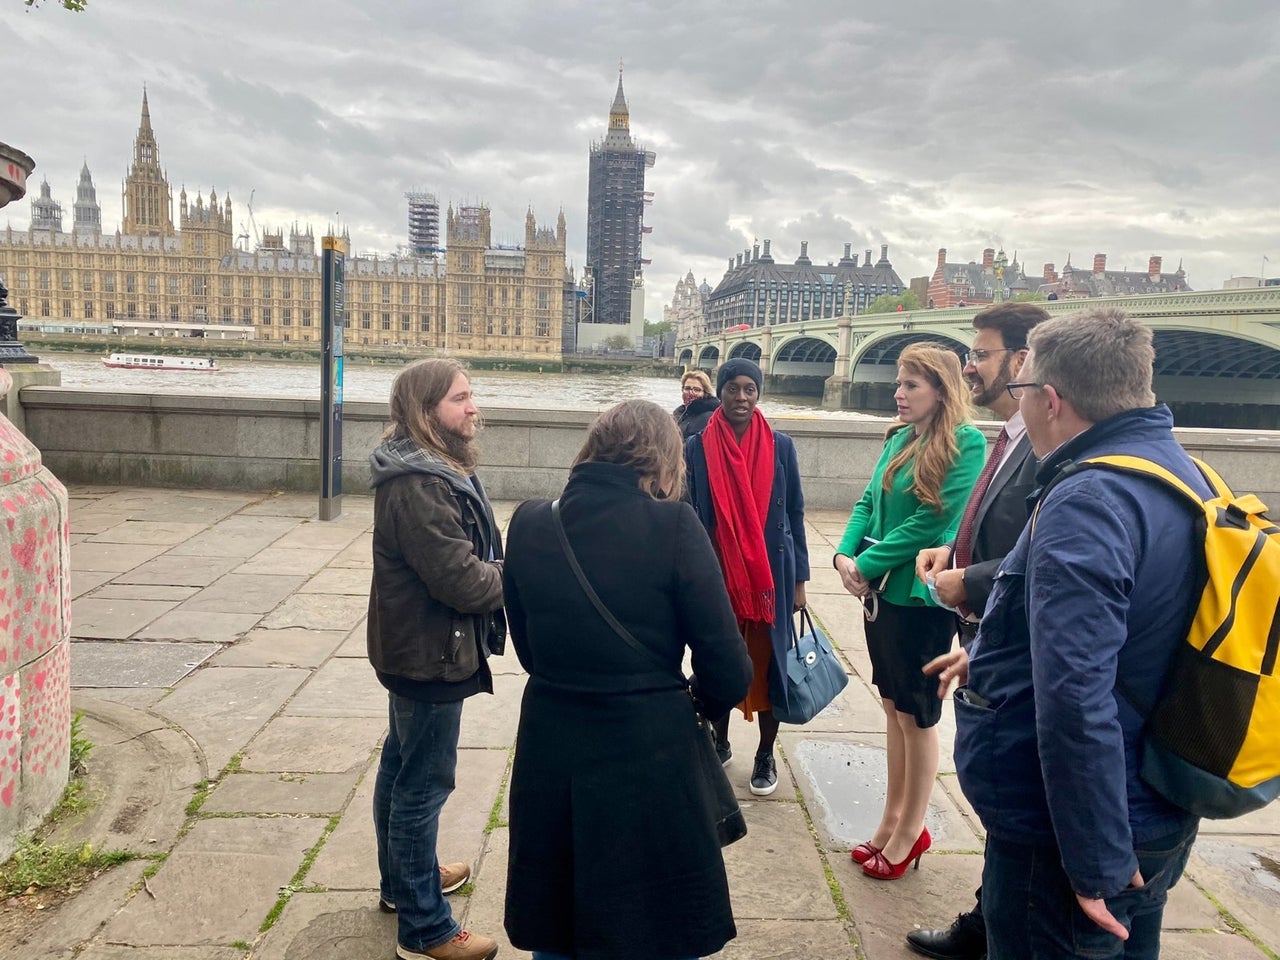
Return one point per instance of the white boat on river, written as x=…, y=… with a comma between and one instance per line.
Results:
x=142, y=361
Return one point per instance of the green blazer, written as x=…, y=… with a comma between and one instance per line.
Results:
x=905, y=526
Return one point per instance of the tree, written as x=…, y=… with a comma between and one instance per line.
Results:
x=619, y=341
x=76, y=6
x=659, y=329
x=888, y=303
x=1027, y=296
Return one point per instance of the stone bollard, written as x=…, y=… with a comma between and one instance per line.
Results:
x=35, y=635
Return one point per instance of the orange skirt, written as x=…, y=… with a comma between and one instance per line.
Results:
x=758, y=638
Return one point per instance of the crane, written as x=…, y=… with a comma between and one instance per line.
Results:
x=244, y=233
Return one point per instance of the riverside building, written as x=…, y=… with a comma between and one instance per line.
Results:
x=157, y=276
x=757, y=290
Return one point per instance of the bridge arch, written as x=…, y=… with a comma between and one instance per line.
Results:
x=708, y=356
x=686, y=357
x=876, y=360
x=745, y=350
x=805, y=357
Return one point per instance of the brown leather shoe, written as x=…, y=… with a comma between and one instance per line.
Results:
x=465, y=946
x=453, y=876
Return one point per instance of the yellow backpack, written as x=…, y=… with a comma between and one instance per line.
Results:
x=1212, y=739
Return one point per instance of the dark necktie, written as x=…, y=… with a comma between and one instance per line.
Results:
x=964, y=536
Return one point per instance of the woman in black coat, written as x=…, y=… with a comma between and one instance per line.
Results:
x=614, y=853
x=698, y=406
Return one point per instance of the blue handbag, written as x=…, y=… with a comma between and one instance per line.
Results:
x=814, y=675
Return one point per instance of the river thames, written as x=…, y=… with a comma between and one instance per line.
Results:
x=259, y=378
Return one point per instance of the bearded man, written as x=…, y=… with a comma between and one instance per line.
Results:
x=435, y=615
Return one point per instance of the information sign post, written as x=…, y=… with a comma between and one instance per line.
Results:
x=333, y=315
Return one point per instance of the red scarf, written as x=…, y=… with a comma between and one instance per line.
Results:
x=741, y=479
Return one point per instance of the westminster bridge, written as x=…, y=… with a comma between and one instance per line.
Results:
x=1217, y=352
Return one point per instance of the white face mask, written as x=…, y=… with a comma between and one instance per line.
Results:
x=932, y=585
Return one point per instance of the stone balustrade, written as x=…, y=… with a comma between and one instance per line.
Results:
x=95, y=436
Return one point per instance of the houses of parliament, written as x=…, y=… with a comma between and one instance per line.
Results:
x=152, y=276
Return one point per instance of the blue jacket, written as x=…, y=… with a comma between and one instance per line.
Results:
x=1047, y=747
x=784, y=534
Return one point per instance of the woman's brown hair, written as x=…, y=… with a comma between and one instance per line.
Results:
x=932, y=453
x=415, y=393
x=641, y=435
x=703, y=380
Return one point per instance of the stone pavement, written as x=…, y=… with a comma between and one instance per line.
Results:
x=219, y=659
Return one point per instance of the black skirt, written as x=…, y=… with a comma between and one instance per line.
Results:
x=901, y=640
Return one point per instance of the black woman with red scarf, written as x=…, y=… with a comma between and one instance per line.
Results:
x=744, y=484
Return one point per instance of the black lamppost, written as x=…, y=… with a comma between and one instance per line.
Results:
x=15, y=167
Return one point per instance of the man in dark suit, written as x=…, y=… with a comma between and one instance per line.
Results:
x=963, y=571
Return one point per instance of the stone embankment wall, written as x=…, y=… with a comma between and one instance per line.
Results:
x=35, y=635
x=93, y=436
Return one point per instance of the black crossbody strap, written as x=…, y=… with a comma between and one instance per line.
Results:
x=596, y=602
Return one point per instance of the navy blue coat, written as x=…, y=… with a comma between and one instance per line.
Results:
x=1047, y=748
x=784, y=535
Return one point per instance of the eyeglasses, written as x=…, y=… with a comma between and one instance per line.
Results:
x=1016, y=389
x=977, y=356
x=692, y=389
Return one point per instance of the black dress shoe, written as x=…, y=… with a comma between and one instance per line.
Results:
x=965, y=939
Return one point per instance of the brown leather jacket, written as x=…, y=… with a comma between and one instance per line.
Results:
x=435, y=605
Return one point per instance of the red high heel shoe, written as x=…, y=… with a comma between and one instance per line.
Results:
x=863, y=852
x=881, y=869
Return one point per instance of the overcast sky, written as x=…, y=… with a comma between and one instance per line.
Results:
x=1126, y=128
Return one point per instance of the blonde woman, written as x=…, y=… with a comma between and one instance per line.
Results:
x=698, y=403
x=931, y=458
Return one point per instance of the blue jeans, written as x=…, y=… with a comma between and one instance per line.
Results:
x=415, y=777
x=1031, y=910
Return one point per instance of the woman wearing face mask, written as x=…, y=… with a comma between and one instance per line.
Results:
x=932, y=456
x=698, y=403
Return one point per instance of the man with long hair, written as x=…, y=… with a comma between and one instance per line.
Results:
x=435, y=615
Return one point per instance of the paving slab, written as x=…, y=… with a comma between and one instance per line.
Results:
x=342, y=688
x=92, y=521
x=793, y=885
x=181, y=571
x=358, y=553
x=140, y=776
x=331, y=926
x=303, y=563
x=190, y=506
x=108, y=951
x=236, y=537
x=292, y=647
x=134, y=663
x=311, y=793
x=491, y=721
x=112, y=557
x=1264, y=822
x=788, y=940
x=1207, y=946
x=321, y=535
x=223, y=707
x=297, y=505
x=237, y=593
x=315, y=744
x=744, y=738
x=200, y=626
x=96, y=619
x=57, y=933
x=843, y=782
x=218, y=883
x=930, y=897
x=483, y=910
x=86, y=581
x=356, y=645
x=148, y=531
x=139, y=698
x=1243, y=874
x=317, y=612
x=142, y=591
x=1189, y=909
x=341, y=580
